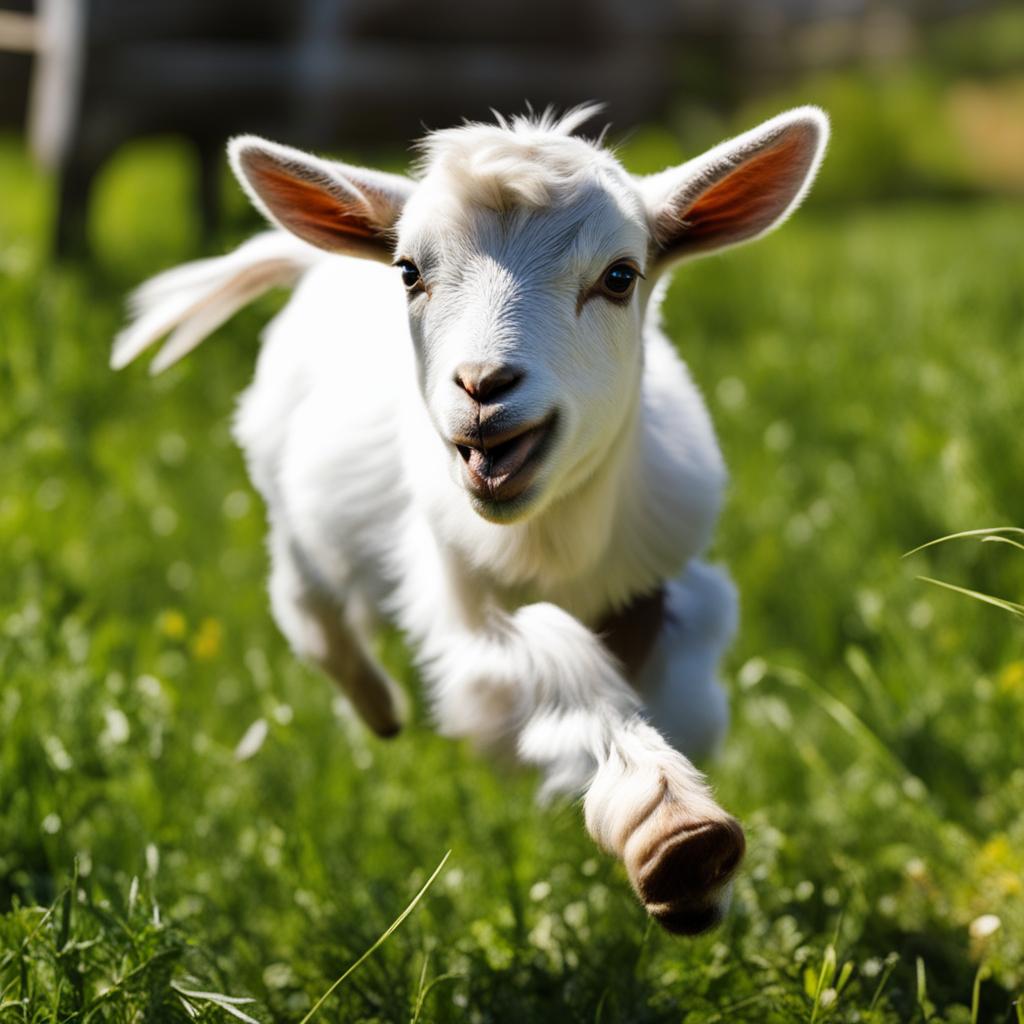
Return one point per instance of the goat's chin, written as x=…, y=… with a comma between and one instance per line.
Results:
x=511, y=510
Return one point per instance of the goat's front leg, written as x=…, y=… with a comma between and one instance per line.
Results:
x=540, y=677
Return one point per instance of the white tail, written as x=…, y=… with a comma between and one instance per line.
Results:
x=193, y=300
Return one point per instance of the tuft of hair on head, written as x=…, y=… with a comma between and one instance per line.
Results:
x=549, y=120
x=524, y=160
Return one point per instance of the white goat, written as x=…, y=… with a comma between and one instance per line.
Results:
x=509, y=461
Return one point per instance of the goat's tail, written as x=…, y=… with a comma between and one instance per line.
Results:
x=191, y=301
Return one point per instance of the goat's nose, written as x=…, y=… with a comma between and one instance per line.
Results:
x=485, y=382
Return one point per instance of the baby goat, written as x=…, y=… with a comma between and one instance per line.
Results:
x=508, y=461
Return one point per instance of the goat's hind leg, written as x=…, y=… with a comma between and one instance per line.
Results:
x=330, y=634
x=679, y=681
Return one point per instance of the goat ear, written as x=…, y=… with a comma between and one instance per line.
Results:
x=737, y=191
x=333, y=206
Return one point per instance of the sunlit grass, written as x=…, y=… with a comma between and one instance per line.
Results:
x=992, y=535
x=237, y=835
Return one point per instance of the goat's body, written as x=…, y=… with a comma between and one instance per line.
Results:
x=340, y=465
x=509, y=462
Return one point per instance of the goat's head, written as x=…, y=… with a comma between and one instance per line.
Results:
x=528, y=257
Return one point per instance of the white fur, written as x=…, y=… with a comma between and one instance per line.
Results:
x=346, y=429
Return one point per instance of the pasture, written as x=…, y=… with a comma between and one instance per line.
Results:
x=188, y=814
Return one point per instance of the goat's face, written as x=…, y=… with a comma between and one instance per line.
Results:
x=528, y=257
x=527, y=328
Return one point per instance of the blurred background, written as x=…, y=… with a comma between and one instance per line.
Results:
x=189, y=815
x=927, y=95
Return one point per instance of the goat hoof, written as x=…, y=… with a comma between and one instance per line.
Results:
x=682, y=877
x=690, y=922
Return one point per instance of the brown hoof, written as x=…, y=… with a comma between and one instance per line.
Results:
x=691, y=922
x=682, y=876
x=387, y=732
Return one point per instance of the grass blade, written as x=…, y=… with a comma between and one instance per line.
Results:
x=212, y=997
x=825, y=976
x=923, y=1003
x=979, y=977
x=1003, y=540
x=1007, y=606
x=990, y=532
x=392, y=928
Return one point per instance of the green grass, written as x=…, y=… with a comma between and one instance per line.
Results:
x=863, y=368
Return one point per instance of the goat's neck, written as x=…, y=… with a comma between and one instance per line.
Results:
x=580, y=551
x=633, y=515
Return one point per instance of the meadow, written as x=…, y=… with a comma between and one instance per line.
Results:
x=193, y=826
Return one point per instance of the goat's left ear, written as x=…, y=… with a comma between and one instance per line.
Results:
x=737, y=191
x=333, y=206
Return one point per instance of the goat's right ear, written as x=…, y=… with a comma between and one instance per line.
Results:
x=333, y=206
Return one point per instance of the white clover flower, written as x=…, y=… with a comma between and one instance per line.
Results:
x=984, y=926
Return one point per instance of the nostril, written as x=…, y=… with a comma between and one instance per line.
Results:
x=486, y=382
x=492, y=388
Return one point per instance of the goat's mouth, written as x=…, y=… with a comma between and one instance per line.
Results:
x=499, y=470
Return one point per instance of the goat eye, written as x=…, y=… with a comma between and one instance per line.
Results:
x=410, y=273
x=619, y=280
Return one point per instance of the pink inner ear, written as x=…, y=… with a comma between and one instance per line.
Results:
x=311, y=209
x=749, y=199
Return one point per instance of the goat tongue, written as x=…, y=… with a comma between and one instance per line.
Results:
x=493, y=466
